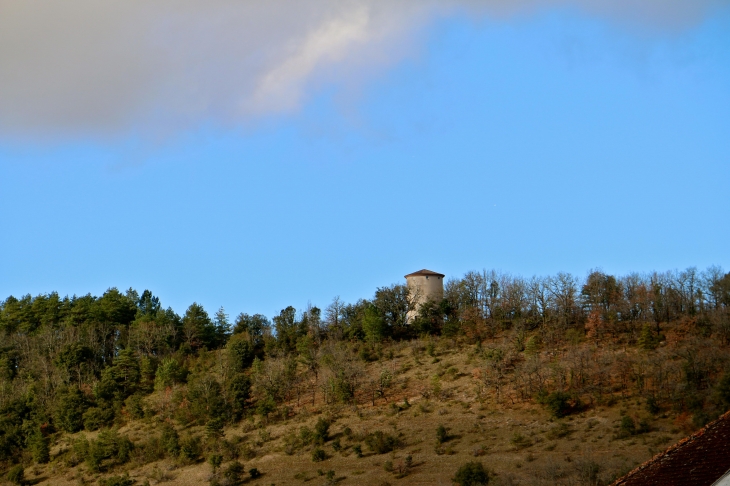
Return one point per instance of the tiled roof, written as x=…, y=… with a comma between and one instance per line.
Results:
x=425, y=272
x=723, y=481
x=697, y=460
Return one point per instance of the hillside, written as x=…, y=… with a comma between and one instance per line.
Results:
x=117, y=391
x=520, y=441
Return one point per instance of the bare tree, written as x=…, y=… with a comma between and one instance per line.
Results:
x=333, y=318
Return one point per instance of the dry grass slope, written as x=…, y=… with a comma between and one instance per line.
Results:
x=435, y=384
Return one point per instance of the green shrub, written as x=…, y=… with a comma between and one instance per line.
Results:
x=452, y=327
x=643, y=427
x=722, y=391
x=238, y=388
x=206, y=399
x=149, y=451
x=96, y=418
x=124, y=372
x=471, y=474
x=254, y=473
x=381, y=443
x=330, y=477
x=342, y=388
x=215, y=461
x=700, y=419
x=558, y=431
x=190, y=449
x=648, y=339
x=231, y=449
x=575, y=336
x=520, y=441
x=234, y=472
x=318, y=455
x=134, y=406
x=16, y=475
x=214, y=428
x=79, y=451
x=558, y=403
x=95, y=456
x=306, y=436
x=12, y=417
x=291, y=441
x=147, y=370
x=117, y=481
x=240, y=352
x=357, y=449
x=70, y=410
x=169, y=373
x=321, y=431
x=123, y=447
x=266, y=406
x=170, y=439
x=627, y=427
x=533, y=345
x=442, y=434
x=109, y=445
x=652, y=406
x=373, y=325
x=39, y=446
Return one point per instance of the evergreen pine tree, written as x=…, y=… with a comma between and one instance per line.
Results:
x=648, y=339
x=214, y=429
x=39, y=446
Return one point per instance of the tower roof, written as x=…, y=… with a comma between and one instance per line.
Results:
x=425, y=273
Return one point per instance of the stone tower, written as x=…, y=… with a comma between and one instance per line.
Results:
x=425, y=285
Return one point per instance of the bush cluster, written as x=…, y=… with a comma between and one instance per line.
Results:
x=381, y=442
x=472, y=474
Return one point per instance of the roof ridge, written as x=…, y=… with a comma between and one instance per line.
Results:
x=424, y=271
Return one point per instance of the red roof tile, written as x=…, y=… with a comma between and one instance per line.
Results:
x=697, y=460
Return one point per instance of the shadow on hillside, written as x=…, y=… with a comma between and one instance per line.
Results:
x=252, y=479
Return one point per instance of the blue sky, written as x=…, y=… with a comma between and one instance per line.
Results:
x=553, y=140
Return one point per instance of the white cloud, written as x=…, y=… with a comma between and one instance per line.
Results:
x=281, y=88
x=87, y=66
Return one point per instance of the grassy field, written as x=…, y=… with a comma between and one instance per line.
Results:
x=519, y=441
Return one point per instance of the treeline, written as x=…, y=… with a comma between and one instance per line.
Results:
x=619, y=306
x=74, y=363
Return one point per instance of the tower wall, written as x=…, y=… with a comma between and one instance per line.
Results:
x=425, y=287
